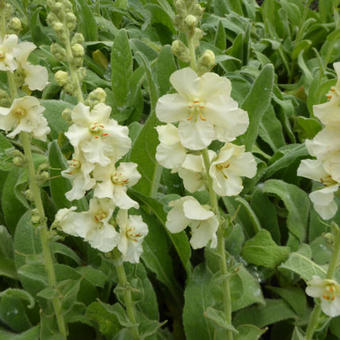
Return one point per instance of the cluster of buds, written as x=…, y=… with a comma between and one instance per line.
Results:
x=325, y=147
x=204, y=111
x=189, y=14
x=99, y=144
x=69, y=47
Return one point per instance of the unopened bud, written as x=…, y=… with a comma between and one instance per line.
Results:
x=71, y=21
x=96, y=96
x=35, y=216
x=28, y=195
x=43, y=177
x=191, y=20
x=58, y=27
x=67, y=115
x=15, y=25
x=78, y=50
x=180, y=51
x=207, y=59
x=61, y=78
x=58, y=51
x=198, y=10
x=18, y=161
x=78, y=38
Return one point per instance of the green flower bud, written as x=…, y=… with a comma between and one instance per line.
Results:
x=35, y=216
x=58, y=27
x=206, y=62
x=95, y=97
x=58, y=51
x=191, y=21
x=43, y=177
x=78, y=38
x=78, y=50
x=71, y=21
x=67, y=115
x=5, y=100
x=15, y=25
x=51, y=19
x=18, y=161
x=77, y=61
x=180, y=51
x=28, y=195
x=61, y=78
x=197, y=10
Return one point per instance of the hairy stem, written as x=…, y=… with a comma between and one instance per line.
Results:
x=220, y=246
x=129, y=305
x=44, y=233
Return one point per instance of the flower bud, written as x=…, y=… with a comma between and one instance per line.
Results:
x=96, y=96
x=58, y=27
x=67, y=115
x=78, y=38
x=18, y=161
x=15, y=25
x=71, y=21
x=28, y=195
x=43, y=177
x=180, y=51
x=35, y=216
x=61, y=77
x=198, y=10
x=191, y=21
x=207, y=60
x=58, y=51
x=5, y=100
x=78, y=50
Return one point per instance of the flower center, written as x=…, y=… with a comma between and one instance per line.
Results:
x=333, y=91
x=2, y=55
x=327, y=181
x=132, y=235
x=100, y=215
x=329, y=292
x=96, y=129
x=118, y=179
x=195, y=110
x=19, y=112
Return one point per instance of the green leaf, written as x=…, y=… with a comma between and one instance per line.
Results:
x=220, y=37
x=218, y=318
x=245, y=289
x=6, y=243
x=88, y=23
x=53, y=111
x=275, y=310
x=20, y=294
x=102, y=315
x=13, y=314
x=248, y=332
x=31, y=334
x=12, y=207
x=121, y=59
x=284, y=157
x=144, y=148
x=257, y=102
x=94, y=276
x=198, y=297
x=303, y=266
x=298, y=334
x=165, y=66
x=60, y=185
x=296, y=202
x=261, y=250
x=295, y=297
x=7, y=268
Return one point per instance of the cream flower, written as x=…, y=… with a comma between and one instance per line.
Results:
x=204, y=109
x=193, y=172
x=113, y=183
x=99, y=138
x=132, y=232
x=231, y=164
x=328, y=291
x=92, y=225
x=170, y=153
x=323, y=201
x=187, y=211
x=25, y=114
x=326, y=147
x=328, y=112
x=79, y=174
x=7, y=46
x=36, y=76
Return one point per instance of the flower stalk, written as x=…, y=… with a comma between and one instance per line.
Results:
x=44, y=234
x=314, y=319
x=128, y=301
x=220, y=245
